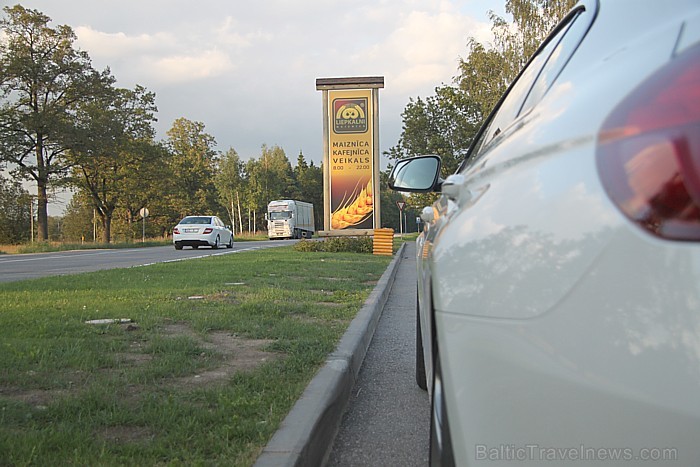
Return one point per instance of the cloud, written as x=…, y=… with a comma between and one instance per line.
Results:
x=157, y=58
x=422, y=49
x=184, y=68
x=247, y=71
x=120, y=45
x=418, y=49
x=227, y=34
x=416, y=45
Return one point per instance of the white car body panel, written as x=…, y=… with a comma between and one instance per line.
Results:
x=565, y=326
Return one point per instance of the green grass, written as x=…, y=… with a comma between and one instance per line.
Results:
x=217, y=352
x=47, y=247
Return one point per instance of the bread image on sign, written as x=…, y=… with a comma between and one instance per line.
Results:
x=354, y=209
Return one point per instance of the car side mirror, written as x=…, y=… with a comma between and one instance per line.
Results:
x=418, y=174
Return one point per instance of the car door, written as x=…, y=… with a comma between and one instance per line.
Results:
x=221, y=229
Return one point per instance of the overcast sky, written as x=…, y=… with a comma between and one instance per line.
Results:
x=247, y=70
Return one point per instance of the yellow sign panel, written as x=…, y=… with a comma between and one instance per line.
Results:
x=351, y=159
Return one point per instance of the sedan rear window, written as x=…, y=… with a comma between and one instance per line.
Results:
x=196, y=220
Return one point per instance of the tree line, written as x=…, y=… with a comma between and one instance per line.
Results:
x=65, y=125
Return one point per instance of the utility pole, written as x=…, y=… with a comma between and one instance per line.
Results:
x=31, y=219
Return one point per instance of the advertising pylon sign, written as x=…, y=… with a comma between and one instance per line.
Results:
x=351, y=155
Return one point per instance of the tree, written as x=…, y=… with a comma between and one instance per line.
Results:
x=15, y=212
x=298, y=172
x=309, y=187
x=145, y=187
x=42, y=81
x=483, y=77
x=443, y=124
x=192, y=162
x=230, y=182
x=115, y=133
x=269, y=178
x=486, y=73
x=79, y=219
x=447, y=122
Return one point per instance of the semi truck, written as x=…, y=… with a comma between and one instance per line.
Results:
x=287, y=218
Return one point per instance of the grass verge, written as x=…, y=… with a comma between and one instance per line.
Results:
x=216, y=354
x=47, y=247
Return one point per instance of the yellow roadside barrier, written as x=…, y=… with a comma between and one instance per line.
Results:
x=383, y=242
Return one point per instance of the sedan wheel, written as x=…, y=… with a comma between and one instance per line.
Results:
x=216, y=244
x=440, y=439
x=230, y=242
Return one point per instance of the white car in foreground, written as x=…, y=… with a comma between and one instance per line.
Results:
x=559, y=272
x=196, y=231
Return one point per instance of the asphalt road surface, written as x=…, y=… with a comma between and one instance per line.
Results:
x=30, y=266
x=388, y=417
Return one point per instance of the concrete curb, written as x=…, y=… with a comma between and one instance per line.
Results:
x=306, y=435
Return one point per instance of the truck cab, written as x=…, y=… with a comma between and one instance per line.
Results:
x=289, y=219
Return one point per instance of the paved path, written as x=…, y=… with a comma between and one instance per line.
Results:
x=388, y=417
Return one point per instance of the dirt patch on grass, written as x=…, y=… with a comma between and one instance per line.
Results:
x=38, y=398
x=237, y=354
x=126, y=434
x=322, y=292
x=232, y=352
x=226, y=297
x=179, y=329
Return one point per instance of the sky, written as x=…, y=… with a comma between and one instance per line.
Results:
x=247, y=70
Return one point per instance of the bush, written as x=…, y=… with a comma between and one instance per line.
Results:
x=337, y=245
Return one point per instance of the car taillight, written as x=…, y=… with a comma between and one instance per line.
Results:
x=648, y=151
x=176, y=230
x=208, y=230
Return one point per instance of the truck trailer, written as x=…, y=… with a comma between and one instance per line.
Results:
x=287, y=218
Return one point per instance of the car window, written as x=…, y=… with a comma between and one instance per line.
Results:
x=196, y=220
x=536, y=79
x=559, y=57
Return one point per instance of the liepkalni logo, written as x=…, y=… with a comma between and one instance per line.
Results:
x=350, y=115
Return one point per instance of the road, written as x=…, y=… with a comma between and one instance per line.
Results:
x=387, y=421
x=29, y=266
